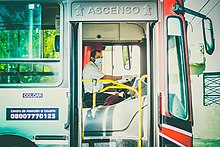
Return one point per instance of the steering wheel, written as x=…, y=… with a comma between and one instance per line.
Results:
x=126, y=92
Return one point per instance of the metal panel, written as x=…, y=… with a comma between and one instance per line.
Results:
x=211, y=89
x=113, y=31
x=112, y=10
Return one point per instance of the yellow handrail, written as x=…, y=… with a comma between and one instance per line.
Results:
x=104, y=80
x=119, y=85
x=140, y=110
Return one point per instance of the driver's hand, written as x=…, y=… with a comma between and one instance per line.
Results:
x=127, y=78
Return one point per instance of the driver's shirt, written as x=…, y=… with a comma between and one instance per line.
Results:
x=91, y=71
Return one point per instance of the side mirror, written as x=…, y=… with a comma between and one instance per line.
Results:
x=208, y=35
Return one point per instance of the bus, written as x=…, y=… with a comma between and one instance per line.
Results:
x=45, y=44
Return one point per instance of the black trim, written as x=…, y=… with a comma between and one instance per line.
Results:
x=159, y=101
x=15, y=140
x=182, y=124
x=91, y=142
x=119, y=142
x=166, y=143
x=74, y=112
x=22, y=60
x=152, y=91
x=50, y=137
x=181, y=54
x=27, y=73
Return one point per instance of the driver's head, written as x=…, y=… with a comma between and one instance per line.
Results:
x=95, y=54
x=96, y=57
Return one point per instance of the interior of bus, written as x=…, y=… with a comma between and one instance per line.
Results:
x=123, y=46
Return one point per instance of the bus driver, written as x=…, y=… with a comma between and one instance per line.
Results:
x=92, y=71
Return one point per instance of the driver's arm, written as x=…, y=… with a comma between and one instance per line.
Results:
x=110, y=77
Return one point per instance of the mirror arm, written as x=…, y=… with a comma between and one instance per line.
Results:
x=178, y=9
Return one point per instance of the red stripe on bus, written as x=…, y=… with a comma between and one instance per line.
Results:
x=177, y=136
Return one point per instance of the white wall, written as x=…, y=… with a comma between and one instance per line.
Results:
x=206, y=118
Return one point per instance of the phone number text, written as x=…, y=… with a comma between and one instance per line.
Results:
x=32, y=114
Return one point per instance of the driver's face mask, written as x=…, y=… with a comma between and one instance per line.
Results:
x=98, y=61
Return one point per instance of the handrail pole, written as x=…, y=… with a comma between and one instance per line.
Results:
x=94, y=83
x=140, y=110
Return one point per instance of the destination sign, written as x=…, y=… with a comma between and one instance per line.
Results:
x=32, y=114
x=113, y=11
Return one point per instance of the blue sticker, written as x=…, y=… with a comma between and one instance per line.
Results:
x=32, y=113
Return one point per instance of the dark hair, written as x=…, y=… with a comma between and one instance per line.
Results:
x=93, y=53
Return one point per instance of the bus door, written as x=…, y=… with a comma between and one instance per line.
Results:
x=175, y=113
x=117, y=28
x=101, y=128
